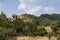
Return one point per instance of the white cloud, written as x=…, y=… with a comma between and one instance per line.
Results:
x=49, y=9
x=25, y=0
x=33, y=10
x=29, y=6
x=30, y=0
x=22, y=6
x=21, y=1
x=34, y=6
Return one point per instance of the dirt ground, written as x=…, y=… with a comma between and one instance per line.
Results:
x=36, y=38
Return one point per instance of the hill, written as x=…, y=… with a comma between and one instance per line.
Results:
x=29, y=25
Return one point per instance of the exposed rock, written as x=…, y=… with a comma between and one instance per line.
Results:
x=48, y=29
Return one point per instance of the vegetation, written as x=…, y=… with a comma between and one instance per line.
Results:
x=15, y=26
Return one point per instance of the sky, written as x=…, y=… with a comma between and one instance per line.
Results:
x=34, y=7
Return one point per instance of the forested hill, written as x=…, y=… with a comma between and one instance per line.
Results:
x=29, y=25
x=51, y=16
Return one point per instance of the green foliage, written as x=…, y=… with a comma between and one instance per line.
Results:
x=12, y=27
x=40, y=32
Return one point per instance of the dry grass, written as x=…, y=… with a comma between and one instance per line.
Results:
x=32, y=38
x=53, y=38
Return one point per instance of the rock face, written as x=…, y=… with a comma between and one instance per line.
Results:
x=25, y=18
x=48, y=29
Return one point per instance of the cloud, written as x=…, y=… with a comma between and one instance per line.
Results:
x=22, y=6
x=23, y=1
x=29, y=6
x=36, y=6
x=33, y=10
x=30, y=0
x=49, y=9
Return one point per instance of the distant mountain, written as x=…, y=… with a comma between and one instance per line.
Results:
x=50, y=16
x=41, y=20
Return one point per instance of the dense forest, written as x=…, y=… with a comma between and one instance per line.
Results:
x=29, y=25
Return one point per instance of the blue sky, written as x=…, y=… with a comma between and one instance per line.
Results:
x=35, y=7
